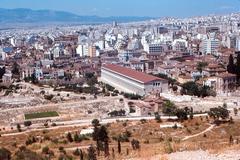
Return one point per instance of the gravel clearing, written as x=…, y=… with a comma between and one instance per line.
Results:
x=204, y=155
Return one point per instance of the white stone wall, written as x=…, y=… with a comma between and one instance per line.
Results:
x=121, y=83
x=128, y=85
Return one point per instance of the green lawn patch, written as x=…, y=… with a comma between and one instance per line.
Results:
x=41, y=115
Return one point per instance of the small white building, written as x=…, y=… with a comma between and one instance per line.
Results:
x=131, y=81
x=2, y=54
x=7, y=77
x=87, y=131
x=82, y=50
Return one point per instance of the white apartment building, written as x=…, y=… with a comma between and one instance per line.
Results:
x=87, y=50
x=180, y=45
x=210, y=45
x=155, y=48
x=57, y=51
x=238, y=44
x=82, y=50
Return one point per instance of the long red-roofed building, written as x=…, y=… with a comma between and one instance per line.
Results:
x=131, y=81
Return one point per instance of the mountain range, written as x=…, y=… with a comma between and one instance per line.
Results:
x=22, y=15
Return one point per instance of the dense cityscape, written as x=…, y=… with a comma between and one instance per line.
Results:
x=159, y=89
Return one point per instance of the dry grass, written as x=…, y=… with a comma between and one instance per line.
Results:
x=154, y=141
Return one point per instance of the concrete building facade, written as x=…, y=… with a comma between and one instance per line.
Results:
x=131, y=81
x=226, y=83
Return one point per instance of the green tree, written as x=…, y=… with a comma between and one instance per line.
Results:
x=2, y=71
x=238, y=67
x=158, y=117
x=45, y=150
x=100, y=135
x=201, y=66
x=92, y=153
x=119, y=146
x=34, y=79
x=169, y=108
x=76, y=137
x=219, y=112
x=76, y=152
x=204, y=91
x=95, y=122
x=19, y=128
x=103, y=137
x=27, y=123
x=15, y=69
x=135, y=144
x=69, y=137
x=231, y=139
x=113, y=153
x=190, y=88
x=191, y=113
x=81, y=154
x=182, y=114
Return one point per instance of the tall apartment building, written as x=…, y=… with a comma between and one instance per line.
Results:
x=87, y=50
x=232, y=42
x=92, y=51
x=82, y=50
x=238, y=44
x=210, y=45
x=155, y=48
x=180, y=45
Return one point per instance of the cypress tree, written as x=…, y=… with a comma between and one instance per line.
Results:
x=92, y=153
x=69, y=137
x=119, y=146
x=81, y=154
x=238, y=66
x=231, y=66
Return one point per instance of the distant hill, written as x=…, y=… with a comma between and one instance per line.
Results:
x=23, y=15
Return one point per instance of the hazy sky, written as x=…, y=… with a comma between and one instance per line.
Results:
x=153, y=8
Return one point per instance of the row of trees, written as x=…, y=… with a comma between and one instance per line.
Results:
x=193, y=89
x=100, y=136
x=132, y=96
x=219, y=114
x=116, y=113
x=171, y=109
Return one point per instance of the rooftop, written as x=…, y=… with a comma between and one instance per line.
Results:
x=226, y=75
x=132, y=74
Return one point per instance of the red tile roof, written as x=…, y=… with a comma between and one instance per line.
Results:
x=226, y=75
x=132, y=74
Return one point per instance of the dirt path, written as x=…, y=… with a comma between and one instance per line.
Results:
x=195, y=135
